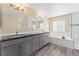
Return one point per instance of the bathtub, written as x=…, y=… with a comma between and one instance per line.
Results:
x=62, y=42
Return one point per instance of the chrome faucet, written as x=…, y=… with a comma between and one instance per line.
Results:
x=16, y=33
x=63, y=37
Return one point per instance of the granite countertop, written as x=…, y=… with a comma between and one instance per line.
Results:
x=12, y=37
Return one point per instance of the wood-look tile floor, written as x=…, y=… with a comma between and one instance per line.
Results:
x=55, y=50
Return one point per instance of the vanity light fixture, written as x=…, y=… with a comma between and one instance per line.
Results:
x=22, y=8
x=17, y=7
x=11, y=5
x=40, y=18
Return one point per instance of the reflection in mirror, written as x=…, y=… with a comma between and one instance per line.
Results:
x=11, y=20
x=41, y=25
x=31, y=23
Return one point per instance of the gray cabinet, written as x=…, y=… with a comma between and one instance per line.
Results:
x=10, y=51
x=9, y=48
x=36, y=43
x=0, y=48
x=27, y=46
x=42, y=42
x=44, y=39
x=24, y=46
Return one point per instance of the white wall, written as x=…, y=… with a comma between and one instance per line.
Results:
x=63, y=8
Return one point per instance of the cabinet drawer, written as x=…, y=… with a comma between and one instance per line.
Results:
x=37, y=36
x=24, y=39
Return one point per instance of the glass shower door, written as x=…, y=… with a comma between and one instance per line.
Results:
x=75, y=33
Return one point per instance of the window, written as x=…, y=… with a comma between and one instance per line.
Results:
x=59, y=26
x=31, y=23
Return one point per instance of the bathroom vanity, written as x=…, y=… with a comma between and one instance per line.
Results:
x=23, y=44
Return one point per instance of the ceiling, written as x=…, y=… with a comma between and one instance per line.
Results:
x=44, y=8
x=54, y=9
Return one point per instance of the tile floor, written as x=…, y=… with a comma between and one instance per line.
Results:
x=55, y=50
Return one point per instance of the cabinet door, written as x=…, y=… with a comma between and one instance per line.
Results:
x=0, y=48
x=27, y=47
x=75, y=18
x=36, y=43
x=46, y=38
x=10, y=51
x=42, y=42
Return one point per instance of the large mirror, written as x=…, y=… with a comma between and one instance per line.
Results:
x=12, y=21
